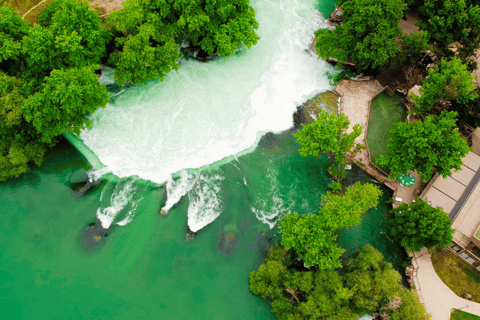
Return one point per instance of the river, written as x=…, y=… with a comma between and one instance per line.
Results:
x=203, y=131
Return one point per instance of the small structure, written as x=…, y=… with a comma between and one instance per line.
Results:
x=459, y=196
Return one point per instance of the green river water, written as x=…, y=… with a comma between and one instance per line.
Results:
x=145, y=268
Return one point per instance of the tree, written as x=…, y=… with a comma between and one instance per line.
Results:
x=69, y=34
x=372, y=279
x=18, y=146
x=447, y=21
x=411, y=308
x=138, y=60
x=419, y=225
x=313, y=236
x=451, y=82
x=217, y=27
x=368, y=35
x=414, y=45
x=152, y=31
x=300, y=294
x=328, y=133
x=425, y=146
x=12, y=30
x=64, y=101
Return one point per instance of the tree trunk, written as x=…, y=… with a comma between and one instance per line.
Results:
x=293, y=293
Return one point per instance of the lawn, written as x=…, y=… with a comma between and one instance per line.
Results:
x=462, y=315
x=458, y=275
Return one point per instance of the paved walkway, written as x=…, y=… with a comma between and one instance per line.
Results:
x=437, y=297
x=356, y=97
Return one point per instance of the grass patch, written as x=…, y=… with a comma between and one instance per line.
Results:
x=458, y=275
x=462, y=315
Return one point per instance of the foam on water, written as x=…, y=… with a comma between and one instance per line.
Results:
x=271, y=208
x=205, y=202
x=209, y=111
x=116, y=199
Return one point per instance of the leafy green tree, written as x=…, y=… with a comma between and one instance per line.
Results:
x=313, y=236
x=372, y=279
x=69, y=34
x=414, y=46
x=149, y=47
x=139, y=61
x=367, y=36
x=411, y=307
x=432, y=145
x=300, y=294
x=18, y=145
x=451, y=82
x=447, y=21
x=328, y=133
x=419, y=225
x=12, y=30
x=217, y=27
x=64, y=101
x=305, y=235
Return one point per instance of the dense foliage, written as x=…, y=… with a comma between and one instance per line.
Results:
x=428, y=146
x=328, y=133
x=63, y=101
x=451, y=82
x=368, y=35
x=68, y=35
x=419, y=225
x=369, y=285
x=18, y=140
x=447, y=21
x=151, y=31
x=313, y=236
x=48, y=83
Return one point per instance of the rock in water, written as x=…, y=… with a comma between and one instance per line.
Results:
x=93, y=235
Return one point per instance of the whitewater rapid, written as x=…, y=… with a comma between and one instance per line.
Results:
x=209, y=111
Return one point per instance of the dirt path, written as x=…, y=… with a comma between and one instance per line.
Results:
x=437, y=297
x=32, y=8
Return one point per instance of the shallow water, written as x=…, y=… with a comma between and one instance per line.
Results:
x=384, y=112
x=148, y=269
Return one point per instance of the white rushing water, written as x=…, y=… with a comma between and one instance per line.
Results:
x=208, y=111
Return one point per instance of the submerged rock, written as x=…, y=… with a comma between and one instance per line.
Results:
x=93, y=235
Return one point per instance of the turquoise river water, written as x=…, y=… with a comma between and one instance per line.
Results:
x=211, y=118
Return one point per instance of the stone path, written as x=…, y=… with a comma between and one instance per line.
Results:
x=434, y=294
x=356, y=97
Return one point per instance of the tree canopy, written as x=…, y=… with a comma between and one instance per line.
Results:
x=451, y=82
x=12, y=30
x=369, y=284
x=69, y=34
x=419, y=225
x=368, y=35
x=447, y=21
x=313, y=236
x=149, y=47
x=372, y=279
x=18, y=143
x=63, y=102
x=428, y=146
x=328, y=133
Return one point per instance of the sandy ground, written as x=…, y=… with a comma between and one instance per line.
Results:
x=408, y=26
x=108, y=5
x=437, y=297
